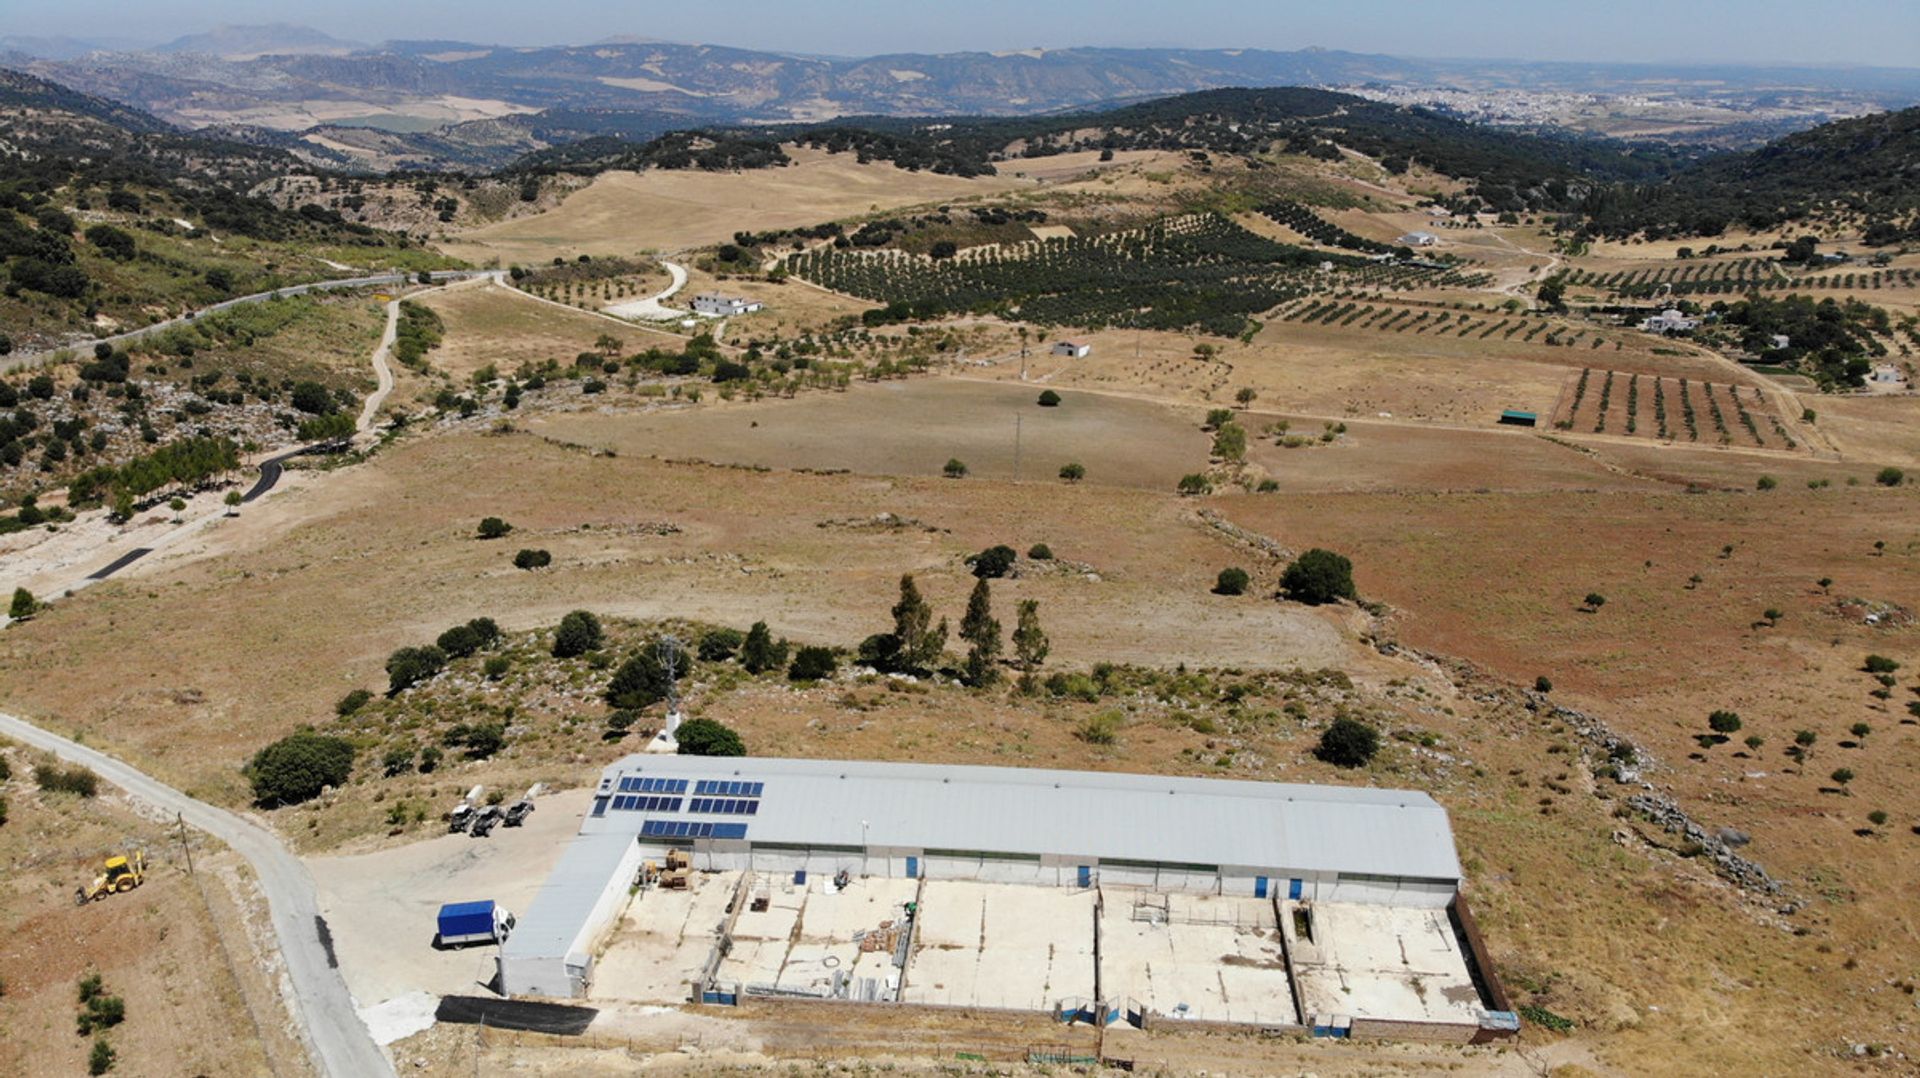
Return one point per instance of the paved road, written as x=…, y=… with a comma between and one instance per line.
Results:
x=28, y=359
x=654, y=308
x=341, y=1045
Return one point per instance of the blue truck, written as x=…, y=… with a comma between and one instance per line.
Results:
x=462, y=923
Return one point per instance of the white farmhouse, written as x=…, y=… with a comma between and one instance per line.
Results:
x=715, y=305
x=1419, y=239
x=1669, y=321
x=1071, y=349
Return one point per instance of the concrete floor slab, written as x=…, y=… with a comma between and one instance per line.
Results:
x=1212, y=958
x=1002, y=946
x=662, y=941
x=1382, y=962
x=810, y=939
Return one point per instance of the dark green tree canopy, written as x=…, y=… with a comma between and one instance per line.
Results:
x=297, y=767
x=1319, y=576
x=705, y=737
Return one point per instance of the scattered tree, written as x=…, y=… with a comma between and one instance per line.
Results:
x=578, y=633
x=1073, y=471
x=1040, y=552
x=24, y=605
x=1724, y=722
x=494, y=528
x=955, y=469
x=232, y=501
x=1245, y=395
x=1593, y=602
x=1232, y=580
x=813, y=664
x=532, y=559
x=1880, y=664
x=1194, y=484
x=760, y=653
x=981, y=631
x=298, y=767
x=1860, y=729
x=1319, y=576
x=1543, y=684
x=640, y=682
x=1890, y=477
x=1030, y=642
x=719, y=645
x=352, y=702
x=408, y=667
x=1842, y=775
x=919, y=646
x=1348, y=743
x=705, y=737
x=1049, y=399
x=993, y=562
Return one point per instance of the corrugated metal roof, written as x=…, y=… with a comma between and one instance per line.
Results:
x=567, y=899
x=1258, y=825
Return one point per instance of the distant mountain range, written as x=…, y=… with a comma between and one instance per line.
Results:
x=292, y=78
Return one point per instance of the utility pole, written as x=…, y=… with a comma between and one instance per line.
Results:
x=184, y=845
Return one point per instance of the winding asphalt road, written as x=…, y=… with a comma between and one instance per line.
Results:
x=324, y=1011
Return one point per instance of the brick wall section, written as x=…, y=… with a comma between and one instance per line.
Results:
x=1432, y=1032
x=1478, y=962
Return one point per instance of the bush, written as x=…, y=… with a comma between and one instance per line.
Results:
x=1724, y=722
x=352, y=702
x=1049, y=399
x=578, y=633
x=480, y=741
x=24, y=605
x=297, y=767
x=1766, y=482
x=67, y=780
x=487, y=630
x=1348, y=743
x=1073, y=471
x=1100, y=729
x=458, y=642
x=705, y=737
x=1319, y=576
x=429, y=759
x=955, y=469
x=1543, y=684
x=408, y=667
x=1890, y=477
x=532, y=559
x=497, y=666
x=812, y=664
x=880, y=651
x=1195, y=483
x=1594, y=600
x=640, y=682
x=397, y=761
x=993, y=562
x=494, y=528
x=102, y=1058
x=719, y=645
x=1880, y=664
x=1231, y=581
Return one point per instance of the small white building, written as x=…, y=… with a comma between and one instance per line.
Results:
x=1887, y=374
x=715, y=305
x=1419, y=239
x=1670, y=320
x=1071, y=349
x=1779, y=341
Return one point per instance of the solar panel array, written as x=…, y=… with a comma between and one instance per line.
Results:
x=691, y=829
x=729, y=789
x=634, y=784
x=726, y=806
x=637, y=803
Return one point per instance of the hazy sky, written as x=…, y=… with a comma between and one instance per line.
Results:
x=1797, y=31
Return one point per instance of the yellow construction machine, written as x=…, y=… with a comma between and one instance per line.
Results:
x=121, y=873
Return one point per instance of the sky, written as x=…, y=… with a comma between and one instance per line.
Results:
x=1874, y=32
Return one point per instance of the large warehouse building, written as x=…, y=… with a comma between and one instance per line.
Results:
x=790, y=818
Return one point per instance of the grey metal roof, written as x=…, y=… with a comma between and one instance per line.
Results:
x=1271, y=825
x=550, y=926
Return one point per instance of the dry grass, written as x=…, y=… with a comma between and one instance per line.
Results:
x=627, y=213
x=492, y=325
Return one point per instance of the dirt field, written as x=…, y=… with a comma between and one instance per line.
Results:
x=627, y=213
x=157, y=947
x=493, y=324
x=1670, y=409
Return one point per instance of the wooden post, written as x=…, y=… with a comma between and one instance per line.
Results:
x=184, y=845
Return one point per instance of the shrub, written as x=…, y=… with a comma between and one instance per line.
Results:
x=1319, y=576
x=352, y=702
x=579, y=632
x=1842, y=776
x=1195, y=483
x=497, y=666
x=480, y=741
x=1348, y=743
x=1231, y=581
x=429, y=759
x=494, y=528
x=397, y=761
x=1724, y=722
x=24, y=605
x=1543, y=683
x=1860, y=729
x=487, y=630
x=760, y=653
x=955, y=469
x=458, y=642
x=408, y=667
x=1890, y=477
x=532, y=559
x=1049, y=399
x=67, y=780
x=719, y=645
x=1880, y=664
x=1040, y=552
x=297, y=767
x=812, y=664
x=640, y=682
x=1100, y=729
x=1217, y=418
x=1594, y=600
x=1767, y=482
x=705, y=737
x=1073, y=471
x=1877, y=818
x=993, y=562
x=102, y=1058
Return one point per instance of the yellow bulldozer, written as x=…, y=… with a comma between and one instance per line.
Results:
x=121, y=873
